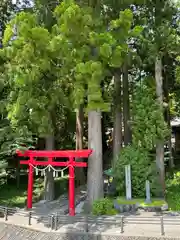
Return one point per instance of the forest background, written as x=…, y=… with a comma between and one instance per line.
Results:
x=95, y=74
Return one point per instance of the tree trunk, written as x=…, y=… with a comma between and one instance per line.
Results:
x=168, y=117
x=95, y=163
x=171, y=159
x=126, y=106
x=117, y=130
x=160, y=143
x=79, y=172
x=104, y=123
x=49, y=179
x=105, y=148
x=79, y=127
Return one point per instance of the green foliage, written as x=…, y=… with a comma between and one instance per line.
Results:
x=50, y=70
x=92, y=48
x=43, y=77
x=148, y=123
x=32, y=95
x=173, y=192
x=103, y=207
x=178, y=70
x=148, y=126
x=11, y=140
x=13, y=197
x=6, y=12
x=141, y=169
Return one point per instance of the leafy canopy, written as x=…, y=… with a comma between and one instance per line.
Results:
x=49, y=68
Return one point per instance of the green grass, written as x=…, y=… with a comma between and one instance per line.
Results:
x=141, y=202
x=13, y=197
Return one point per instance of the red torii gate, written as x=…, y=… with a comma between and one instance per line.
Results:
x=70, y=154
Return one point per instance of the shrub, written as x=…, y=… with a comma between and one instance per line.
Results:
x=103, y=206
x=142, y=168
x=173, y=192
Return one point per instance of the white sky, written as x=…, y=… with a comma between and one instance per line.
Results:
x=15, y=1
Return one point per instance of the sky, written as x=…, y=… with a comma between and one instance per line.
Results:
x=15, y=1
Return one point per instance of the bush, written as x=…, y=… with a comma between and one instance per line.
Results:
x=142, y=169
x=103, y=206
x=173, y=192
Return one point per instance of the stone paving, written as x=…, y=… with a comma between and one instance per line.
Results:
x=42, y=209
x=15, y=232
x=60, y=205
x=144, y=224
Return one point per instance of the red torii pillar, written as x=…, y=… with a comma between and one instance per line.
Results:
x=70, y=154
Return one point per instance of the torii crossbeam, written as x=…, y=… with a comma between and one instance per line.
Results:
x=50, y=155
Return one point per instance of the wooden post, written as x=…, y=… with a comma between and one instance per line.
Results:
x=30, y=184
x=71, y=188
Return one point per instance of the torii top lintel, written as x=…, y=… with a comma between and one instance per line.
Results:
x=71, y=154
x=61, y=153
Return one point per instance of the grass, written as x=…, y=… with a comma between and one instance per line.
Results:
x=13, y=197
x=141, y=202
x=105, y=206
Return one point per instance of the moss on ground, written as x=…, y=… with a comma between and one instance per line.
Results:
x=141, y=202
